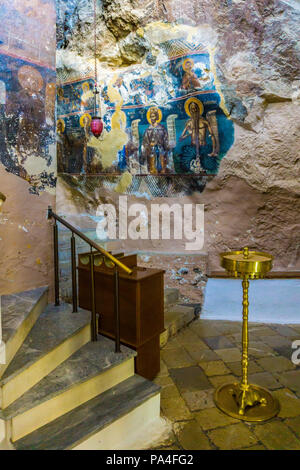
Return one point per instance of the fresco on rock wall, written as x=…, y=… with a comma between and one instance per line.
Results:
x=170, y=113
x=27, y=92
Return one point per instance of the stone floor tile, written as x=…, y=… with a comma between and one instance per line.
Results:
x=287, y=331
x=212, y=418
x=166, y=440
x=229, y=355
x=276, y=435
x=197, y=345
x=229, y=327
x=235, y=338
x=289, y=403
x=256, y=447
x=191, y=436
x=214, y=368
x=163, y=381
x=205, y=328
x=188, y=336
x=198, y=354
x=190, y=379
x=256, y=332
x=275, y=364
x=236, y=367
x=199, y=400
x=285, y=351
x=295, y=327
x=175, y=409
x=264, y=379
x=222, y=379
x=235, y=436
x=291, y=379
x=172, y=343
x=218, y=342
x=168, y=448
x=275, y=341
x=169, y=391
x=163, y=369
x=177, y=357
x=259, y=349
x=294, y=424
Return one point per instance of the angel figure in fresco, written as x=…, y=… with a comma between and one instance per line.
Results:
x=155, y=145
x=190, y=80
x=197, y=127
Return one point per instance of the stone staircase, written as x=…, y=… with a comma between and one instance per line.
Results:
x=176, y=315
x=59, y=390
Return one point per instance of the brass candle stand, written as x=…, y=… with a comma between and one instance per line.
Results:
x=243, y=400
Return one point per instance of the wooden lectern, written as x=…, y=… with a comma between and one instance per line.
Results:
x=141, y=306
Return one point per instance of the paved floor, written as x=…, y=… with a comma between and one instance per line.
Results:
x=207, y=354
x=271, y=300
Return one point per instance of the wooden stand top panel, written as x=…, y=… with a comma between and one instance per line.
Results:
x=101, y=265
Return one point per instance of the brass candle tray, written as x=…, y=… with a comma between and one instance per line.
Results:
x=253, y=264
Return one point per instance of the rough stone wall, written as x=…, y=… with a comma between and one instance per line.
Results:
x=27, y=142
x=254, y=198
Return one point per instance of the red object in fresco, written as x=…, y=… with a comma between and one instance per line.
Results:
x=96, y=126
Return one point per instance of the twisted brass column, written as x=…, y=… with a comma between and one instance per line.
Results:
x=245, y=285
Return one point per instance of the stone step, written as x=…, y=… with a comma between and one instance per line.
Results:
x=19, y=313
x=109, y=421
x=176, y=317
x=91, y=370
x=171, y=296
x=56, y=335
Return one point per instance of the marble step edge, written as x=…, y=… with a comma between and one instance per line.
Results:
x=76, y=426
x=9, y=376
x=34, y=396
x=14, y=332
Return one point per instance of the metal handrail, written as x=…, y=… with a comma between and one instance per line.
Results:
x=87, y=240
x=99, y=249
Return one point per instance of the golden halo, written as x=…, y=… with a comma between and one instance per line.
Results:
x=63, y=124
x=83, y=117
x=159, y=114
x=30, y=78
x=185, y=61
x=193, y=100
x=84, y=84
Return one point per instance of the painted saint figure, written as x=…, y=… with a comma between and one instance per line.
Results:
x=29, y=105
x=63, y=146
x=197, y=127
x=190, y=80
x=155, y=144
x=86, y=95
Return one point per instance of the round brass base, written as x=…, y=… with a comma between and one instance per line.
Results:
x=253, y=404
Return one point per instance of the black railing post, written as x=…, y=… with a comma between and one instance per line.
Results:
x=55, y=252
x=93, y=299
x=74, y=281
x=117, y=310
